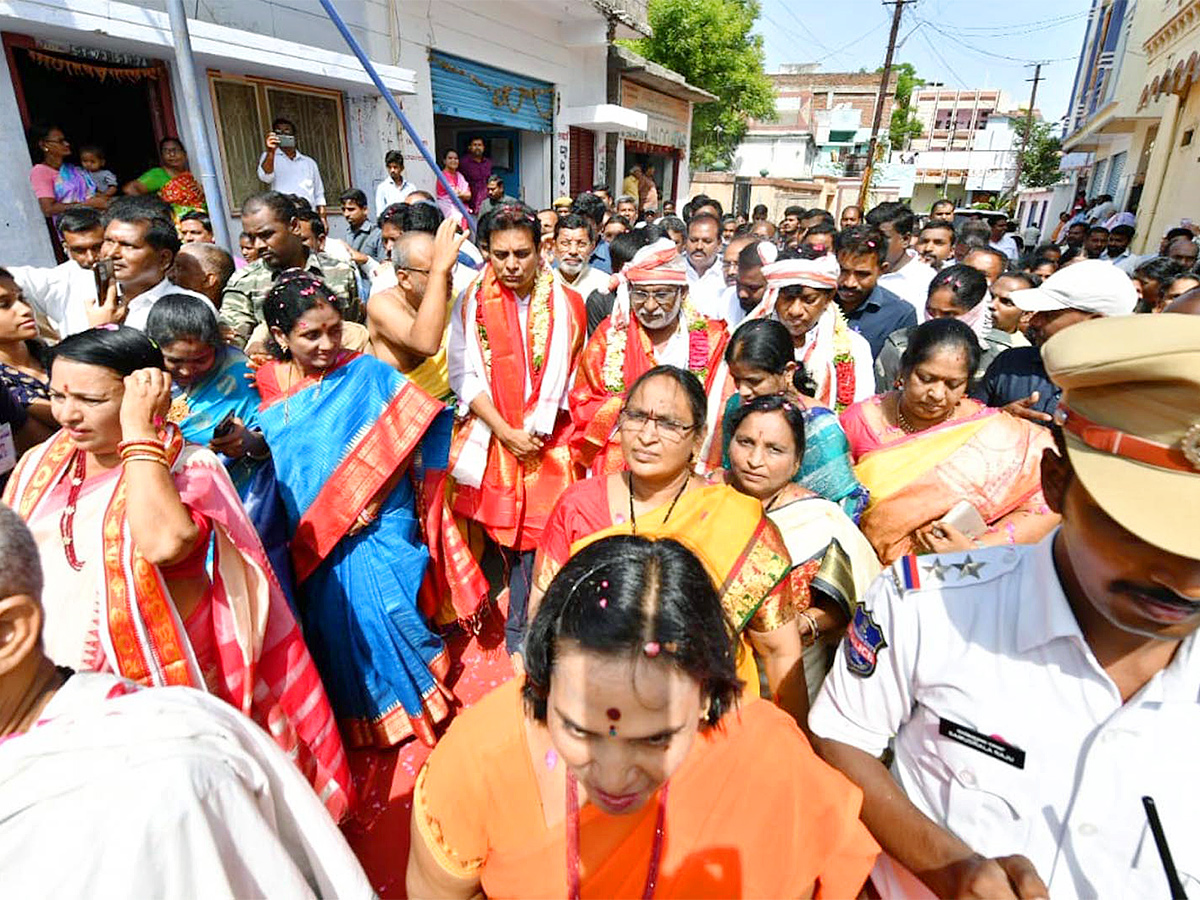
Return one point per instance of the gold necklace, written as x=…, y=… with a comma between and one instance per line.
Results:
x=907, y=427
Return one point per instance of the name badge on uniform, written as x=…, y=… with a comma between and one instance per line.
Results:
x=992, y=746
x=8, y=450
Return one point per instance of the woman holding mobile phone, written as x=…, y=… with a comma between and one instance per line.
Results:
x=924, y=448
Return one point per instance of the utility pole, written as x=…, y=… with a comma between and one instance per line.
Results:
x=1037, y=76
x=883, y=86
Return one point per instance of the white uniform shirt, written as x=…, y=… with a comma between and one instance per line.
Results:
x=911, y=282
x=299, y=176
x=1007, y=246
x=1008, y=732
x=704, y=291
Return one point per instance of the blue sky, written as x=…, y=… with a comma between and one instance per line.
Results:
x=962, y=43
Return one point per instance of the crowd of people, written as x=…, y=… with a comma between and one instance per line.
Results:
x=824, y=550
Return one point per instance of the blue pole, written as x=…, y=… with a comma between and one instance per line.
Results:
x=369, y=67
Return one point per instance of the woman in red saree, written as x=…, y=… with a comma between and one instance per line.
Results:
x=125, y=515
x=927, y=448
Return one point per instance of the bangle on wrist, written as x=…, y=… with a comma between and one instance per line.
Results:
x=814, y=629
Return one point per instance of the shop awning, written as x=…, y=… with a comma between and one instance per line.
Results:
x=605, y=117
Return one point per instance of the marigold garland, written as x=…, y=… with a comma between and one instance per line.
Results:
x=540, y=318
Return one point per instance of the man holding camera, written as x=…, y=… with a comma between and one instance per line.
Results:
x=289, y=171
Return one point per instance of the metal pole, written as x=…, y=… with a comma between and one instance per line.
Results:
x=369, y=67
x=883, y=84
x=1037, y=76
x=186, y=64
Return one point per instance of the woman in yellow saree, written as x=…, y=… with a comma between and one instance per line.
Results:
x=935, y=461
x=658, y=496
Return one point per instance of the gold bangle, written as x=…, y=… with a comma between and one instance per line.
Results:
x=147, y=444
x=815, y=630
x=145, y=457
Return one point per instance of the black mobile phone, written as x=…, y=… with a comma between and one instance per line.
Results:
x=103, y=272
x=225, y=425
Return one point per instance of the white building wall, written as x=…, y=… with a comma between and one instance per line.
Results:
x=786, y=156
x=516, y=35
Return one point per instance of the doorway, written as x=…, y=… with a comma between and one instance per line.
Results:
x=501, y=145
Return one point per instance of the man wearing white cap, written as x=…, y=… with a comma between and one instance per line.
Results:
x=1090, y=289
x=800, y=294
x=652, y=324
x=1042, y=700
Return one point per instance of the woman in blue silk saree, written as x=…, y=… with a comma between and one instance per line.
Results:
x=349, y=435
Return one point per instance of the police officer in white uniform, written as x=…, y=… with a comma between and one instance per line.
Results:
x=1035, y=694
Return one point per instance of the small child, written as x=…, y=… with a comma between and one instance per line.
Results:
x=91, y=158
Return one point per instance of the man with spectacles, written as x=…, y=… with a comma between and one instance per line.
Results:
x=574, y=240
x=654, y=326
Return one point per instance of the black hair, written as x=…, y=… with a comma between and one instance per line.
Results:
x=314, y=221
x=1069, y=254
x=95, y=149
x=4, y=273
x=798, y=211
x=182, y=317
x=899, y=215
x=495, y=179
x=861, y=240
x=294, y=293
x=354, y=195
x=572, y=221
x=393, y=156
x=170, y=139
x=704, y=217
x=395, y=214
x=763, y=344
x=196, y=216
x=423, y=217
x=792, y=413
x=822, y=227
x=1029, y=278
x=517, y=217
x=749, y=257
x=615, y=217
x=968, y=284
x=672, y=223
x=619, y=595
x=75, y=219
x=999, y=255
x=624, y=247
x=1158, y=268
x=1177, y=231
x=823, y=217
x=1083, y=225
x=281, y=205
x=35, y=135
x=699, y=202
x=692, y=387
x=588, y=204
x=941, y=224
x=122, y=349
x=1123, y=230
x=280, y=120
x=146, y=209
x=301, y=203
x=938, y=334
x=1096, y=228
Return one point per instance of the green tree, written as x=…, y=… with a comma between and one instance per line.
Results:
x=709, y=43
x=1039, y=163
x=904, y=124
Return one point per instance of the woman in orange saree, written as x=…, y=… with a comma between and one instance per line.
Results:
x=126, y=516
x=660, y=497
x=619, y=766
x=932, y=458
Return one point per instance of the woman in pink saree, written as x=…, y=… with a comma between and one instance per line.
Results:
x=932, y=458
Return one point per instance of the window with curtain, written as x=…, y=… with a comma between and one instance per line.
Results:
x=245, y=108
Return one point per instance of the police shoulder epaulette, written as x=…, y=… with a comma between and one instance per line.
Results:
x=950, y=570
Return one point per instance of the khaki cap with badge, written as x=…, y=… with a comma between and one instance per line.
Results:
x=1130, y=413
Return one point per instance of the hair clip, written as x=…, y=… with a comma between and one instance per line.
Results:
x=109, y=326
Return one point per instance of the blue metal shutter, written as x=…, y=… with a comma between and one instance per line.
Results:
x=470, y=90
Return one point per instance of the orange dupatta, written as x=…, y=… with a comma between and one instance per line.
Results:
x=515, y=498
x=752, y=812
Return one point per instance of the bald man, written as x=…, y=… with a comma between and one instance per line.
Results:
x=203, y=268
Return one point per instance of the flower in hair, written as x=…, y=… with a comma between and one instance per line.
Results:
x=110, y=326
